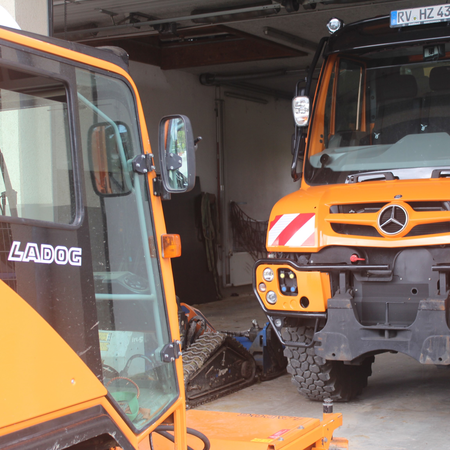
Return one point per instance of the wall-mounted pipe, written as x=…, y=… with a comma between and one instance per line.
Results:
x=50, y=17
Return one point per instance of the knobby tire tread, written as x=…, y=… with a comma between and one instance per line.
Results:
x=317, y=378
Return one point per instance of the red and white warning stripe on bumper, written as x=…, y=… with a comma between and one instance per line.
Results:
x=293, y=230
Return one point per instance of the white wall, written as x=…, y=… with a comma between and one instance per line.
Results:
x=256, y=140
x=174, y=92
x=31, y=15
x=257, y=137
x=257, y=153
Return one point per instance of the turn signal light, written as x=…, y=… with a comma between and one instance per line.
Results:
x=171, y=245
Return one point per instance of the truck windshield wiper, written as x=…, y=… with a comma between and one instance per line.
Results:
x=369, y=176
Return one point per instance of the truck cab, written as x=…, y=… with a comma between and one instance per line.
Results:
x=85, y=258
x=358, y=256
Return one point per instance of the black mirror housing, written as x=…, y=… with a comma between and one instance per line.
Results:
x=109, y=145
x=177, y=153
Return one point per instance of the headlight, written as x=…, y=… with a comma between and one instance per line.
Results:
x=262, y=287
x=300, y=109
x=268, y=274
x=271, y=297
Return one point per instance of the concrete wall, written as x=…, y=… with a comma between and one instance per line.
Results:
x=31, y=15
x=257, y=136
x=174, y=92
x=256, y=139
x=257, y=153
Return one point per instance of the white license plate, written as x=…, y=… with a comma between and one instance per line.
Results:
x=419, y=16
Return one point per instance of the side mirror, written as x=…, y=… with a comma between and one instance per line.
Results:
x=300, y=109
x=177, y=153
x=109, y=145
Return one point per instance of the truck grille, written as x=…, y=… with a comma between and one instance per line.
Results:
x=430, y=228
x=361, y=208
x=355, y=230
x=351, y=229
x=356, y=208
x=430, y=206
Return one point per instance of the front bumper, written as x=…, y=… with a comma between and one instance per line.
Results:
x=341, y=336
x=427, y=339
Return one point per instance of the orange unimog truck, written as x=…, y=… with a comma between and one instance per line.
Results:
x=90, y=348
x=359, y=256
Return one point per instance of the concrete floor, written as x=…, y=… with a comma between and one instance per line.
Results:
x=406, y=405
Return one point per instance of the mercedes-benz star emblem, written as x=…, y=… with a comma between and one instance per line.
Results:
x=393, y=219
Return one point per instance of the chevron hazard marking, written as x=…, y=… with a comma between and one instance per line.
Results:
x=292, y=230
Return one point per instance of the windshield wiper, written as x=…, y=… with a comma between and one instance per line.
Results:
x=369, y=176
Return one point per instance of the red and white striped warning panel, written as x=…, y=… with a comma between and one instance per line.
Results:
x=293, y=230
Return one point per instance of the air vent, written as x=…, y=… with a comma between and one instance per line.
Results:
x=355, y=230
x=430, y=228
x=356, y=208
x=430, y=206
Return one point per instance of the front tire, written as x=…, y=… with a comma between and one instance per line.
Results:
x=317, y=378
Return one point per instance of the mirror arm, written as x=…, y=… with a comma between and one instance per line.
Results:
x=143, y=163
x=299, y=148
x=313, y=65
x=159, y=190
x=173, y=161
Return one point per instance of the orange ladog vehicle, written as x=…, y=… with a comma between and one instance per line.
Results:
x=90, y=348
x=359, y=256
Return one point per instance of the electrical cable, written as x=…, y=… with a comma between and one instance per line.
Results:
x=210, y=232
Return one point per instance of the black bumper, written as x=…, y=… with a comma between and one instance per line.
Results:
x=344, y=338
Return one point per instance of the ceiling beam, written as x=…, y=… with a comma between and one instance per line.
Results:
x=217, y=45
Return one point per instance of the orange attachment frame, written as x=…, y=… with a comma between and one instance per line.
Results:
x=238, y=431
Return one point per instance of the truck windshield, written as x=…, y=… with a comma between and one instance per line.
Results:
x=386, y=112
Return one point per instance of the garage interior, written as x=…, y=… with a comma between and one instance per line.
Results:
x=232, y=66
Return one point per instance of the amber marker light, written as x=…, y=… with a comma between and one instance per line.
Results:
x=171, y=245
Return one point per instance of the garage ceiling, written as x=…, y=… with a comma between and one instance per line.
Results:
x=258, y=45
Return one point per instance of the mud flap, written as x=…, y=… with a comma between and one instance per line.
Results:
x=214, y=366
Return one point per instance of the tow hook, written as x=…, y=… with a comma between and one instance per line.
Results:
x=355, y=258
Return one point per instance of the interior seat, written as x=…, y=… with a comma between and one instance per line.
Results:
x=398, y=109
x=436, y=111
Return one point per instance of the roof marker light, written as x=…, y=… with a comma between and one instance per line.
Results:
x=334, y=25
